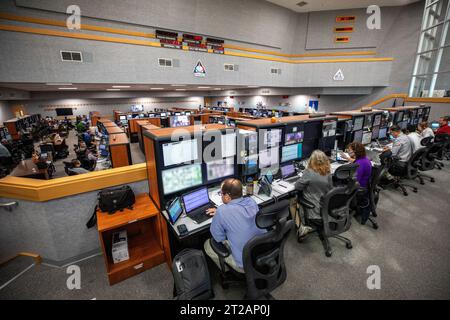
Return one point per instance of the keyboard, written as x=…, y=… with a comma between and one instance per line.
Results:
x=199, y=215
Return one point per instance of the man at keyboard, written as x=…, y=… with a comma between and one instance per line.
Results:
x=233, y=223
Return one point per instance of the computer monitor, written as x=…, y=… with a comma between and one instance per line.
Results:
x=180, y=152
x=137, y=108
x=435, y=125
x=357, y=136
x=269, y=157
x=250, y=166
x=375, y=133
x=308, y=147
x=180, y=121
x=122, y=117
x=399, y=117
x=195, y=199
x=368, y=121
x=366, y=138
x=174, y=210
x=358, y=123
x=141, y=115
x=272, y=137
x=220, y=169
x=228, y=145
x=329, y=128
x=287, y=171
x=313, y=130
x=129, y=116
x=376, y=120
x=383, y=133
x=188, y=113
x=293, y=135
x=181, y=178
x=151, y=115
x=403, y=125
x=291, y=152
x=178, y=113
x=163, y=114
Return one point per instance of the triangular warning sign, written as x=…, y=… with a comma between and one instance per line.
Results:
x=199, y=70
x=339, y=76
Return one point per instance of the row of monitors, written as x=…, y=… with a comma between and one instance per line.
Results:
x=366, y=137
x=417, y=115
x=154, y=115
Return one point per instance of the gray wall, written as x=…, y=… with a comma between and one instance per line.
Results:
x=56, y=229
x=5, y=112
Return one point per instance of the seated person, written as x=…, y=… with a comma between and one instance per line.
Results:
x=414, y=137
x=4, y=151
x=86, y=137
x=443, y=126
x=401, y=148
x=233, y=223
x=424, y=130
x=77, y=167
x=357, y=153
x=84, y=152
x=315, y=182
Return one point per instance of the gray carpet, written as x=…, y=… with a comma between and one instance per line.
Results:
x=411, y=247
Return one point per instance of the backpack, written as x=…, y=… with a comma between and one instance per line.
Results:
x=191, y=276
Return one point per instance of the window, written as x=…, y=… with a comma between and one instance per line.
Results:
x=431, y=71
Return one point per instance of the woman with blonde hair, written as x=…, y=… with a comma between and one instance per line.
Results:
x=315, y=182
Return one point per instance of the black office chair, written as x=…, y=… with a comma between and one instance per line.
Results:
x=443, y=139
x=263, y=255
x=399, y=172
x=48, y=148
x=436, y=151
x=335, y=208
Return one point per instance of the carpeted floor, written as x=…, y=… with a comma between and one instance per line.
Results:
x=411, y=248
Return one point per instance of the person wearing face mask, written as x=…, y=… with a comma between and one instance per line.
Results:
x=233, y=223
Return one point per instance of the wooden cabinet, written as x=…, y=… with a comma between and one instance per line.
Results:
x=148, y=244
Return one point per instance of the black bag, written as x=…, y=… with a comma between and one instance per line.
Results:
x=191, y=276
x=112, y=200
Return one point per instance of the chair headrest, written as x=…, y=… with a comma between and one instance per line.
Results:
x=426, y=141
x=269, y=216
x=346, y=171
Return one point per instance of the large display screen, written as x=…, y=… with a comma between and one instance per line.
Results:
x=181, y=178
x=180, y=152
x=366, y=138
x=376, y=120
x=180, y=121
x=137, y=108
x=329, y=128
x=268, y=157
x=220, y=169
x=358, y=123
x=229, y=145
x=272, y=138
x=292, y=152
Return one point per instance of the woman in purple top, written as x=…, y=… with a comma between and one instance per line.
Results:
x=357, y=154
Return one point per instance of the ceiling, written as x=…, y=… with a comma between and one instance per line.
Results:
x=44, y=87
x=322, y=5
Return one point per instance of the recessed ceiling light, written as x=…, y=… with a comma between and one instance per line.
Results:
x=204, y=87
x=252, y=87
x=178, y=85
x=217, y=89
x=112, y=89
x=156, y=88
x=58, y=84
x=68, y=88
x=117, y=87
x=180, y=89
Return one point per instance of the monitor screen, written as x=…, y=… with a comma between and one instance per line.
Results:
x=142, y=115
x=313, y=130
x=228, y=145
x=179, y=121
x=178, y=113
x=383, y=133
x=376, y=120
x=293, y=135
x=175, y=210
x=366, y=138
x=64, y=112
x=358, y=123
x=180, y=152
x=403, y=125
x=137, y=108
x=250, y=165
x=287, y=170
x=219, y=169
x=188, y=113
x=358, y=135
x=163, y=114
x=151, y=115
x=129, y=116
x=329, y=128
x=195, y=199
x=122, y=117
x=272, y=137
x=399, y=116
x=375, y=132
x=368, y=121
x=308, y=147
x=435, y=125
x=291, y=152
x=181, y=178
x=268, y=157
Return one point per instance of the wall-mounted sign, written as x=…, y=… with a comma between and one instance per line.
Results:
x=345, y=19
x=343, y=29
x=342, y=39
x=199, y=70
x=339, y=76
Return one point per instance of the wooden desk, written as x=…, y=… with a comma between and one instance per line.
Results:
x=141, y=130
x=27, y=169
x=113, y=130
x=109, y=124
x=119, y=150
x=148, y=243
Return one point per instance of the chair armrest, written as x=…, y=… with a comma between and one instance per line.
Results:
x=219, y=248
x=305, y=203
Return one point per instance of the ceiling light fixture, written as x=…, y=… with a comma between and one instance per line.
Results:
x=68, y=88
x=204, y=87
x=118, y=87
x=178, y=85
x=180, y=89
x=58, y=84
x=112, y=89
x=156, y=88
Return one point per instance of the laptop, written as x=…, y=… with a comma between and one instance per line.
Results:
x=288, y=173
x=196, y=203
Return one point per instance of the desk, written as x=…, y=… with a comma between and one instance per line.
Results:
x=119, y=150
x=27, y=169
x=109, y=124
x=113, y=129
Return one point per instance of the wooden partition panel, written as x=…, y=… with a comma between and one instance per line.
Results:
x=149, y=147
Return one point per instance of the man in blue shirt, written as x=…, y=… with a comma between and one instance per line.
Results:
x=233, y=223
